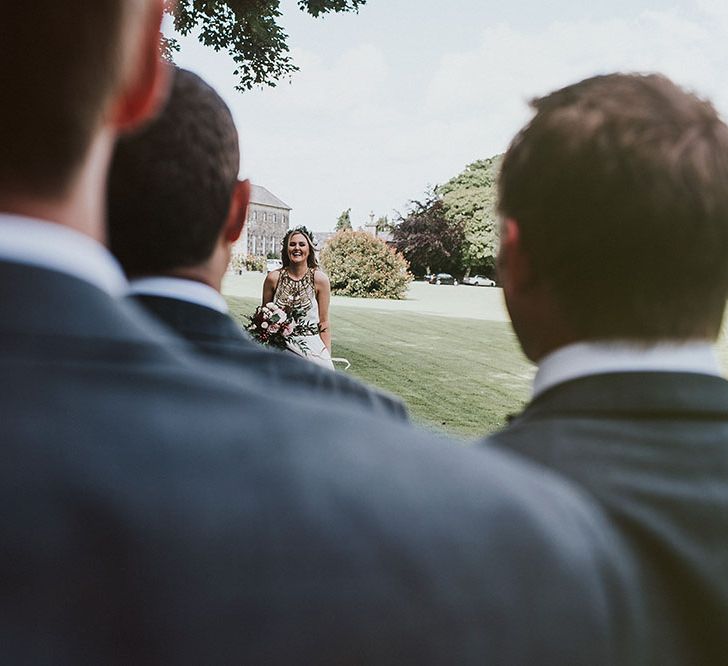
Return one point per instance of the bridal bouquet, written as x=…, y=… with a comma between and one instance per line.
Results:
x=276, y=326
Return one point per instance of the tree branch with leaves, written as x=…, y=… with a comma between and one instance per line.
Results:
x=248, y=30
x=427, y=238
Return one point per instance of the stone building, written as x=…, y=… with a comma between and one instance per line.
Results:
x=268, y=219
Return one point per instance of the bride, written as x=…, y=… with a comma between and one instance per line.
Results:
x=300, y=283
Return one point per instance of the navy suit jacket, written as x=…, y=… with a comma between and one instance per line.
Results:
x=652, y=448
x=158, y=509
x=216, y=334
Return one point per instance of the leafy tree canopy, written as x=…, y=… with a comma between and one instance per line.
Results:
x=249, y=31
x=469, y=199
x=344, y=221
x=428, y=238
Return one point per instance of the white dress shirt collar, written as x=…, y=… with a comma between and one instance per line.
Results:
x=180, y=289
x=594, y=358
x=30, y=241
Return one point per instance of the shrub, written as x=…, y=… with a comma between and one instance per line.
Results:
x=255, y=263
x=237, y=263
x=361, y=265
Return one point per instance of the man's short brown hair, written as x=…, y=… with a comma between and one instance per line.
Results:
x=59, y=61
x=171, y=183
x=619, y=185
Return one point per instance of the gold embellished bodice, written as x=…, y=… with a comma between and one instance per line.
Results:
x=298, y=293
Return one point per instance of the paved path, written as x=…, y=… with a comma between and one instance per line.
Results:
x=444, y=300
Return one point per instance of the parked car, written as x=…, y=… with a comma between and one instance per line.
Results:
x=273, y=265
x=479, y=281
x=443, y=278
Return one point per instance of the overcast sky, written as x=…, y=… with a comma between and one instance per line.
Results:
x=406, y=93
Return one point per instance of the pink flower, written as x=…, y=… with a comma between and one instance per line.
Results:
x=273, y=328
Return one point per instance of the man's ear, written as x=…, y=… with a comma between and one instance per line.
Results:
x=146, y=84
x=514, y=264
x=238, y=211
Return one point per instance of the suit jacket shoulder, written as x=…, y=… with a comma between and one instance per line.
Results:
x=652, y=448
x=158, y=509
x=217, y=335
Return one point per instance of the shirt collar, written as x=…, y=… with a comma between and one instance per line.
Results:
x=594, y=358
x=180, y=289
x=36, y=242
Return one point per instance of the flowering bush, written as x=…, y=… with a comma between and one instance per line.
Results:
x=255, y=263
x=240, y=262
x=358, y=264
x=277, y=326
x=237, y=263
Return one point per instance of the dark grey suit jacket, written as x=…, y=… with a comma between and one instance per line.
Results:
x=218, y=335
x=158, y=509
x=652, y=448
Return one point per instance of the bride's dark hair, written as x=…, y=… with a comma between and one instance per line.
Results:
x=311, y=260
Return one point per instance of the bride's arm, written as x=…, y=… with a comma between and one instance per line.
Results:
x=269, y=286
x=323, y=296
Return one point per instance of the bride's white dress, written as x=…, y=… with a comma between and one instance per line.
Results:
x=302, y=294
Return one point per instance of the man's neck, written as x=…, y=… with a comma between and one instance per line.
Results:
x=201, y=274
x=82, y=206
x=209, y=272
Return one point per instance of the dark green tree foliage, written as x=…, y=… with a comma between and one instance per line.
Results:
x=360, y=265
x=429, y=240
x=470, y=200
x=344, y=221
x=248, y=30
x=383, y=224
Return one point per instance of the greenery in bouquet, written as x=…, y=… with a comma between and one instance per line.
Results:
x=278, y=326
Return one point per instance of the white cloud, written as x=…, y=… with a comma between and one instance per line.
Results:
x=510, y=66
x=362, y=130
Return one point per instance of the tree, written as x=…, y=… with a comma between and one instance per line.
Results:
x=428, y=239
x=383, y=224
x=344, y=221
x=469, y=199
x=358, y=264
x=248, y=30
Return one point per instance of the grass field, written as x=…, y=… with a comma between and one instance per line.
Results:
x=448, y=352
x=463, y=375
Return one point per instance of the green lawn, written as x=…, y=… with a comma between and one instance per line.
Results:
x=460, y=374
x=456, y=374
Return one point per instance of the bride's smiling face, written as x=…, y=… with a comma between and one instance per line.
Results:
x=298, y=249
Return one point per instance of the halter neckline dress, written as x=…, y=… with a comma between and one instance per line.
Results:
x=301, y=294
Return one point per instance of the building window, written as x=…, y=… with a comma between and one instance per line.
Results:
x=255, y=214
x=274, y=218
x=265, y=217
x=254, y=239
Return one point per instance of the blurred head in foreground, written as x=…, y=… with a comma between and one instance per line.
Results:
x=65, y=101
x=175, y=203
x=614, y=216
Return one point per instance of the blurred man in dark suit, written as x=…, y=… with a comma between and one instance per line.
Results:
x=157, y=509
x=175, y=208
x=614, y=264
